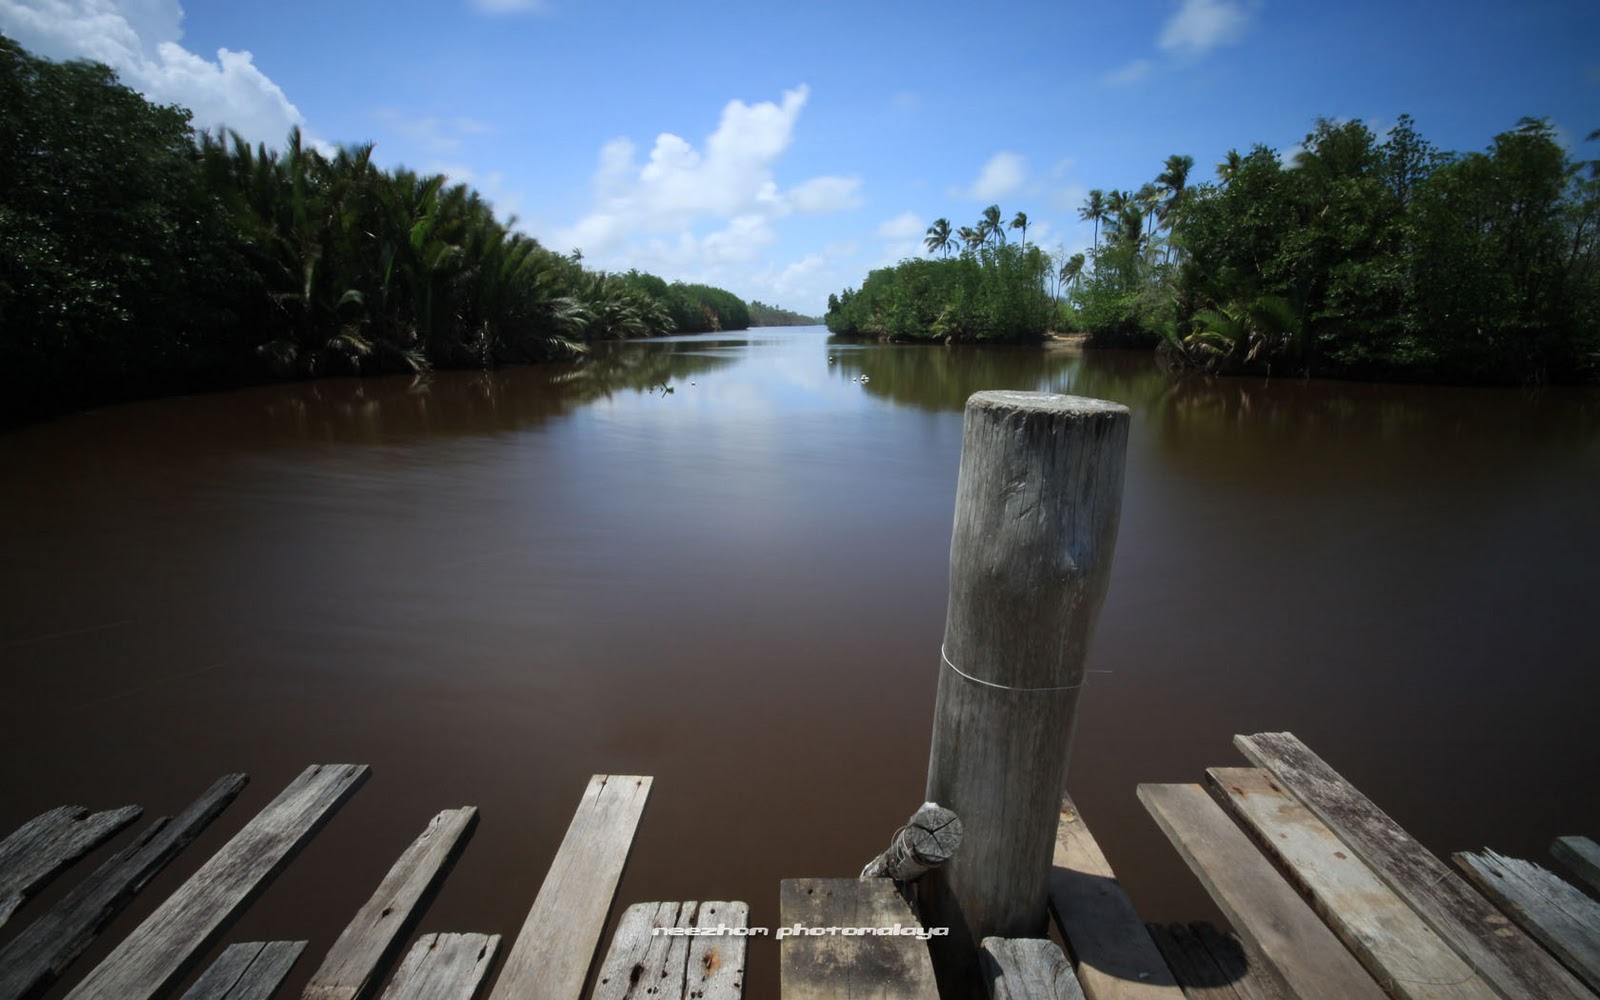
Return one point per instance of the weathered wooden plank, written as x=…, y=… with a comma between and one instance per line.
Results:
x=1582, y=856
x=162, y=949
x=817, y=961
x=43, y=847
x=1249, y=981
x=1192, y=963
x=44, y=949
x=1027, y=969
x=645, y=962
x=1512, y=962
x=1558, y=916
x=1274, y=922
x=1395, y=945
x=249, y=971
x=557, y=944
x=444, y=967
x=369, y=943
x=1116, y=958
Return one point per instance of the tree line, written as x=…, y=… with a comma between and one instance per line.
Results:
x=138, y=258
x=1362, y=256
x=983, y=288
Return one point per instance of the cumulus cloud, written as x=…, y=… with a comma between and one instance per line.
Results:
x=1198, y=26
x=1002, y=175
x=678, y=189
x=140, y=40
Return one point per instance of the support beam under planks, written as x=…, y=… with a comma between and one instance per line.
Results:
x=41, y=848
x=1511, y=961
x=371, y=940
x=1275, y=923
x=557, y=944
x=247, y=971
x=1582, y=856
x=45, y=948
x=1116, y=958
x=1396, y=945
x=444, y=967
x=160, y=950
x=833, y=965
x=1558, y=916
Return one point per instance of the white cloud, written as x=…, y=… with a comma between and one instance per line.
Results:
x=904, y=226
x=825, y=194
x=1002, y=175
x=1131, y=73
x=1198, y=26
x=139, y=39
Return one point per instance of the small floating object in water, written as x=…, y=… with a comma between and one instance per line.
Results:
x=864, y=380
x=830, y=359
x=855, y=378
x=694, y=383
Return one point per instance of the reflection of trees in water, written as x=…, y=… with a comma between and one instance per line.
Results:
x=942, y=378
x=374, y=410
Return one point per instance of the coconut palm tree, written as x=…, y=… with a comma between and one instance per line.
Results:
x=1072, y=270
x=1229, y=166
x=1021, y=222
x=1093, y=210
x=938, y=238
x=971, y=238
x=992, y=224
x=1174, y=180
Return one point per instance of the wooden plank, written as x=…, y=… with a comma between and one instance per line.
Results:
x=1275, y=924
x=1395, y=945
x=829, y=964
x=1117, y=960
x=1249, y=981
x=1582, y=856
x=1027, y=969
x=353, y=965
x=1558, y=916
x=247, y=971
x=643, y=962
x=163, y=948
x=1511, y=961
x=1192, y=964
x=444, y=967
x=43, y=847
x=43, y=950
x=558, y=940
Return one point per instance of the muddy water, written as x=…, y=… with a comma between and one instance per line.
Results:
x=489, y=587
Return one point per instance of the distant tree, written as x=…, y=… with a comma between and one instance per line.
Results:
x=991, y=224
x=938, y=239
x=1094, y=209
x=1020, y=221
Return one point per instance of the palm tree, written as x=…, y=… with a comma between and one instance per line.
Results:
x=994, y=227
x=1229, y=166
x=1021, y=222
x=1094, y=209
x=1149, y=200
x=1072, y=270
x=938, y=238
x=970, y=238
x=1175, y=181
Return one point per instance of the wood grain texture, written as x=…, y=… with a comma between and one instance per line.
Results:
x=559, y=939
x=838, y=967
x=1582, y=856
x=248, y=971
x=444, y=967
x=163, y=948
x=369, y=943
x=1028, y=969
x=1038, y=501
x=1192, y=964
x=1116, y=959
x=931, y=837
x=1511, y=961
x=1558, y=916
x=40, y=849
x=45, y=948
x=1395, y=945
x=643, y=964
x=1274, y=923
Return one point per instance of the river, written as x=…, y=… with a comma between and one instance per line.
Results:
x=721, y=561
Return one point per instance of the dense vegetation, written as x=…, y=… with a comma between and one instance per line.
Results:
x=992, y=290
x=137, y=258
x=762, y=314
x=1359, y=258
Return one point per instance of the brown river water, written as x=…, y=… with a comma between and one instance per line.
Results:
x=490, y=586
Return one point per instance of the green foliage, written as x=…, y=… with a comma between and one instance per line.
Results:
x=762, y=314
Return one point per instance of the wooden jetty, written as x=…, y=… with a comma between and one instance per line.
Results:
x=995, y=887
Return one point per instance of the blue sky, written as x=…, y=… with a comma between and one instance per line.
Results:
x=782, y=151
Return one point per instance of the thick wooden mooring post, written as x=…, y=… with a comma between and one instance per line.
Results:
x=1037, y=505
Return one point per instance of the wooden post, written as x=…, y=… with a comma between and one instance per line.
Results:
x=1037, y=505
x=931, y=837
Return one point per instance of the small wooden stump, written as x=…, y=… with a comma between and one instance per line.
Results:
x=930, y=838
